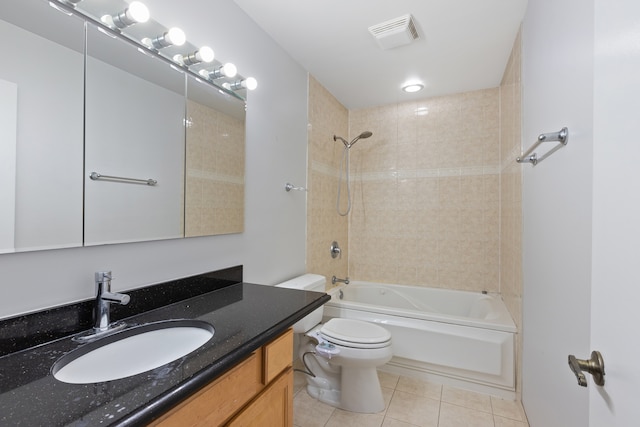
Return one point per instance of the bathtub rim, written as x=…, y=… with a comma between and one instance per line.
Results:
x=503, y=322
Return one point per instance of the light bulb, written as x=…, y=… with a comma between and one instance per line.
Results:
x=175, y=36
x=137, y=12
x=250, y=83
x=204, y=54
x=229, y=70
x=226, y=70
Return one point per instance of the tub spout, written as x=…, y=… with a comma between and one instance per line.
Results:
x=335, y=280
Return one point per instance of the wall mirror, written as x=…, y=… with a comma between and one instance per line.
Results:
x=144, y=119
x=41, y=127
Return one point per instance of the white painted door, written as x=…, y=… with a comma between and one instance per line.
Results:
x=581, y=66
x=615, y=295
x=557, y=80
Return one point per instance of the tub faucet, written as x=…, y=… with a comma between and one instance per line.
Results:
x=104, y=297
x=335, y=280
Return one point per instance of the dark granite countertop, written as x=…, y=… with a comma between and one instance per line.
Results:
x=244, y=316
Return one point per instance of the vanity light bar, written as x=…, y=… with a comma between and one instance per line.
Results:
x=137, y=12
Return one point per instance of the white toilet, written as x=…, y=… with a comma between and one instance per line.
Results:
x=342, y=355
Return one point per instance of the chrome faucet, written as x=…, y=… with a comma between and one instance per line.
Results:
x=104, y=297
x=335, y=280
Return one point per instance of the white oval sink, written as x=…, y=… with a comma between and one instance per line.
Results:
x=132, y=351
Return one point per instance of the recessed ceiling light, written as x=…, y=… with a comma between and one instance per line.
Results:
x=412, y=87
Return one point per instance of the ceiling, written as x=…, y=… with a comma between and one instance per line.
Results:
x=463, y=45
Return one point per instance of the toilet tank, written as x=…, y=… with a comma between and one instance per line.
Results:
x=307, y=282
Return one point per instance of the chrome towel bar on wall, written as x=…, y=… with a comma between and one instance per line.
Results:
x=561, y=136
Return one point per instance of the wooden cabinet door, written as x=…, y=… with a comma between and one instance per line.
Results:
x=272, y=408
x=218, y=401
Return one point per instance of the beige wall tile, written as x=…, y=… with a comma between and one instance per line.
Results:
x=327, y=117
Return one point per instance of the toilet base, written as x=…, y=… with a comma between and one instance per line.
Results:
x=361, y=390
x=330, y=397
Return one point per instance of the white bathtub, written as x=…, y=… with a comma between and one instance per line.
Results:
x=465, y=339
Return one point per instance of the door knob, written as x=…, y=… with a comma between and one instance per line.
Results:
x=593, y=366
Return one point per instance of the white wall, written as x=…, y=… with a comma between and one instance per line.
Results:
x=273, y=244
x=557, y=205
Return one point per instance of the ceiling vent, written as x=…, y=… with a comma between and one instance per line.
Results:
x=395, y=32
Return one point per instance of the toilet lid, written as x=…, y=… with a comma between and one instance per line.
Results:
x=355, y=333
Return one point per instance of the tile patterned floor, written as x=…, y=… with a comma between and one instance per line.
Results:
x=412, y=403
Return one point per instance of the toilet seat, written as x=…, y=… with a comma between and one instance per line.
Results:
x=355, y=333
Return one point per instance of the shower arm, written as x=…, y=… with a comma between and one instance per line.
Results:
x=346, y=144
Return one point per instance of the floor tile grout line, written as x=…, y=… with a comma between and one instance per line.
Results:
x=392, y=386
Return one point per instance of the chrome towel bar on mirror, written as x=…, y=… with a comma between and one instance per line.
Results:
x=96, y=176
x=561, y=136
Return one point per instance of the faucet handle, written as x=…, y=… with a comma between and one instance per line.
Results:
x=103, y=276
x=335, y=250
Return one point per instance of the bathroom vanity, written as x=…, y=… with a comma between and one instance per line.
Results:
x=241, y=376
x=258, y=391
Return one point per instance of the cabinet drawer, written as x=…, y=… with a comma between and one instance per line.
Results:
x=278, y=356
x=218, y=401
x=272, y=408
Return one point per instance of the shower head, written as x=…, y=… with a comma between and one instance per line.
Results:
x=363, y=135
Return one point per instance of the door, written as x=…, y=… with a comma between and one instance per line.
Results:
x=615, y=294
x=557, y=81
x=581, y=63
